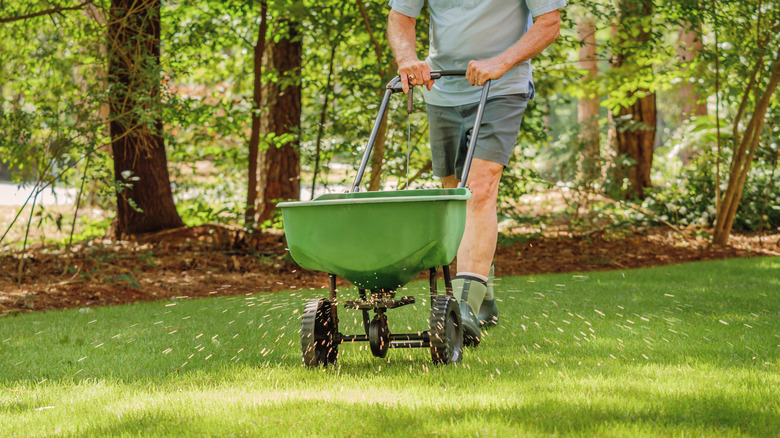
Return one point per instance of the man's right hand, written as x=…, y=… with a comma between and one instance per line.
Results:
x=415, y=72
x=401, y=35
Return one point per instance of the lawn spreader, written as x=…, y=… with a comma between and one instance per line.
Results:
x=379, y=241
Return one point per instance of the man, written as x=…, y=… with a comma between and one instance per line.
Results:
x=492, y=39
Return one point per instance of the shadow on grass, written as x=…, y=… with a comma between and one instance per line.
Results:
x=643, y=413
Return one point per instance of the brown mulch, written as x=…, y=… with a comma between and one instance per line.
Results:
x=214, y=260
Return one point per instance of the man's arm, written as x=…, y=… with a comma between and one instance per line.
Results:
x=542, y=33
x=402, y=37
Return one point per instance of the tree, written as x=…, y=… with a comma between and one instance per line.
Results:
x=144, y=197
x=588, y=105
x=753, y=69
x=333, y=31
x=279, y=161
x=386, y=70
x=254, y=138
x=744, y=152
x=636, y=119
x=689, y=44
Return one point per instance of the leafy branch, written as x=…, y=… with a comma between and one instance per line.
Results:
x=51, y=11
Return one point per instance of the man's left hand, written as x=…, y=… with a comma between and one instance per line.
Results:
x=479, y=72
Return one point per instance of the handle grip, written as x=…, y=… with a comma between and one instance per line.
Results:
x=396, y=86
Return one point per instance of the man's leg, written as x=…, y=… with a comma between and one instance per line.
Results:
x=488, y=311
x=450, y=133
x=479, y=239
x=478, y=245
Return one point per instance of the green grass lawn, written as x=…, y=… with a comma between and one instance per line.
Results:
x=685, y=350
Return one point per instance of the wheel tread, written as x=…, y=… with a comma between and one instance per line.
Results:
x=318, y=344
x=443, y=349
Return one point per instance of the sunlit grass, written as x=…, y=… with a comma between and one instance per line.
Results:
x=691, y=349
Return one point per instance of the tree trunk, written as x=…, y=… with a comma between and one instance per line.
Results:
x=5, y=173
x=323, y=116
x=378, y=155
x=378, y=152
x=742, y=160
x=280, y=162
x=610, y=147
x=635, y=135
x=635, y=139
x=689, y=45
x=588, y=106
x=144, y=197
x=254, y=137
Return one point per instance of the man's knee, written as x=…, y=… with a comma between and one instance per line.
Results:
x=485, y=175
x=483, y=180
x=482, y=191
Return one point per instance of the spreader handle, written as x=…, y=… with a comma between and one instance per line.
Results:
x=395, y=86
x=474, y=134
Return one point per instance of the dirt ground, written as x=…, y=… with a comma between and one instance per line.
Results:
x=211, y=260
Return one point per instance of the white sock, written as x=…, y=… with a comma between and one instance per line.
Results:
x=471, y=274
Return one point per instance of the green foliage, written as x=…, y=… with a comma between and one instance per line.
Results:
x=199, y=211
x=49, y=106
x=53, y=94
x=688, y=198
x=89, y=229
x=690, y=201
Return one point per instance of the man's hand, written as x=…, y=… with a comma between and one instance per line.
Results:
x=478, y=72
x=401, y=35
x=542, y=33
x=415, y=72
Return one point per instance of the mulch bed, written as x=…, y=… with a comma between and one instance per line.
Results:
x=214, y=260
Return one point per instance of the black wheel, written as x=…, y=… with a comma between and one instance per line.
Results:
x=379, y=335
x=319, y=343
x=446, y=333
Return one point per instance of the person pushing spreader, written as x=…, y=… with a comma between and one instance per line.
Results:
x=495, y=40
x=379, y=241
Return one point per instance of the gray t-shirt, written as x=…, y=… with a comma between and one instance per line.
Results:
x=465, y=30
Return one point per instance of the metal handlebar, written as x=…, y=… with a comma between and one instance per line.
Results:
x=396, y=86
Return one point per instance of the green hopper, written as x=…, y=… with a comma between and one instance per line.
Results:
x=377, y=240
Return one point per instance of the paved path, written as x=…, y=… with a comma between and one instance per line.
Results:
x=12, y=195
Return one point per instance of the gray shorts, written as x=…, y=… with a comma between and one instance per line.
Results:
x=450, y=132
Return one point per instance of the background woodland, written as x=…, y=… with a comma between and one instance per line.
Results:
x=159, y=114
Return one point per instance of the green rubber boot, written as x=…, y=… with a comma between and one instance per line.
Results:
x=488, y=311
x=469, y=292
